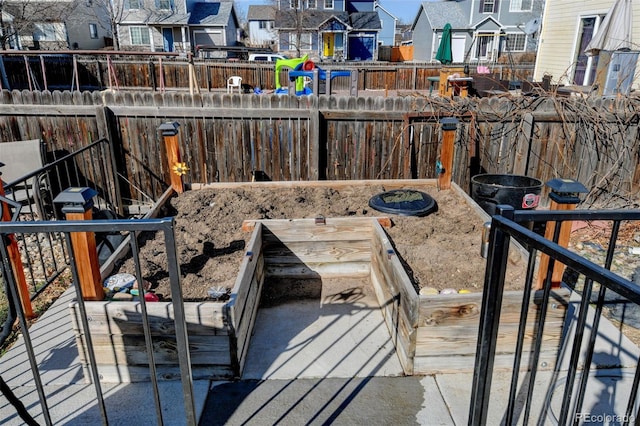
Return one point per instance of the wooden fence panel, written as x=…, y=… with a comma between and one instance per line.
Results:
x=229, y=137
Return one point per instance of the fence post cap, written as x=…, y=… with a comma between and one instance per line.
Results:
x=449, y=123
x=76, y=199
x=170, y=128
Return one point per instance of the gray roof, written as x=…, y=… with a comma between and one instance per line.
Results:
x=313, y=19
x=169, y=18
x=217, y=13
x=261, y=13
x=443, y=12
x=212, y=14
x=365, y=21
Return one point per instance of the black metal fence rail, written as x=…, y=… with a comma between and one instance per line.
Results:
x=136, y=227
x=44, y=255
x=505, y=226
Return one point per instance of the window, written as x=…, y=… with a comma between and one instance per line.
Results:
x=139, y=35
x=305, y=41
x=520, y=5
x=312, y=4
x=49, y=32
x=328, y=4
x=488, y=6
x=134, y=4
x=515, y=42
x=163, y=4
x=294, y=4
x=93, y=30
x=263, y=25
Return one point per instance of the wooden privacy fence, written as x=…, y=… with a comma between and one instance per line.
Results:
x=228, y=138
x=80, y=72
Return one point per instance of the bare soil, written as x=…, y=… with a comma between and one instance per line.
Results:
x=441, y=250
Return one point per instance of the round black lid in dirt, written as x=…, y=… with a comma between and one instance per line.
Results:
x=404, y=202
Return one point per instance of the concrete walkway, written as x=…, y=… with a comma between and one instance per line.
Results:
x=308, y=363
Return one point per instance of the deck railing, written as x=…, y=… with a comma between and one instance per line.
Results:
x=65, y=228
x=44, y=255
x=580, y=338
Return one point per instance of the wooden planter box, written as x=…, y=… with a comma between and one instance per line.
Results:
x=432, y=334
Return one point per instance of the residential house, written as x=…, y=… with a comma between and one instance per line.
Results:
x=261, y=23
x=482, y=30
x=567, y=28
x=328, y=29
x=388, y=22
x=176, y=25
x=55, y=25
x=404, y=35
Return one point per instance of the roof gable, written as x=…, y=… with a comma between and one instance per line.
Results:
x=261, y=13
x=216, y=13
x=365, y=21
x=443, y=12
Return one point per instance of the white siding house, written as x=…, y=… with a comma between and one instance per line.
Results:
x=261, y=20
x=567, y=28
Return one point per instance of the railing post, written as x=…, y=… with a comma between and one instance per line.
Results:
x=77, y=203
x=174, y=162
x=489, y=319
x=16, y=261
x=444, y=172
x=564, y=195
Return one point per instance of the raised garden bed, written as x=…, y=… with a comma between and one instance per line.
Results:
x=432, y=333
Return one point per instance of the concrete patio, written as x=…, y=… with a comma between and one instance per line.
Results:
x=324, y=365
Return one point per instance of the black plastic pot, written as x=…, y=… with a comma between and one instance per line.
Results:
x=519, y=192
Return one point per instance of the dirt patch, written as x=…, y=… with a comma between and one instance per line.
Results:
x=441, y=250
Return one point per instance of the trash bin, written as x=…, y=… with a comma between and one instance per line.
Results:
x=519, y=192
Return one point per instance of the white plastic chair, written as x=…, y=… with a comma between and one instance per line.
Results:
x=233, y=82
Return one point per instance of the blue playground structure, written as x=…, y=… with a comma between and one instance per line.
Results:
x=303, y=69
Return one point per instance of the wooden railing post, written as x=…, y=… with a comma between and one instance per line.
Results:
x=176, y=167
x=564, y=195
x=77, y=203
x=16, y=261
x=445, y=164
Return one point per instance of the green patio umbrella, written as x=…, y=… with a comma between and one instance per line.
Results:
x=444, y=54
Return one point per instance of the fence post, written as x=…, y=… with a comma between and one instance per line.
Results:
x=444, y=172
x=77, y=203
x=16, y=262
x=564, y=196
x=176, y=167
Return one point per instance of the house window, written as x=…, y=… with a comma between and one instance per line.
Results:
x=305, y=41
x=49, y=32
x=262, y=25
x=134, y=4
x=312, y=4
x=328, y=4
x=163, y=4
x=520, y=5
x=515, y=42
x=93, y=30
x=140, y=35
x=488, y=6
x=294, y=4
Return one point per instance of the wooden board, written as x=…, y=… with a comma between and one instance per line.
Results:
x=131, y=350
x=203, y=318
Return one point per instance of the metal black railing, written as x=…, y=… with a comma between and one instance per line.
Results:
x=580, y=337
x=64, y=228
x=44, y=255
